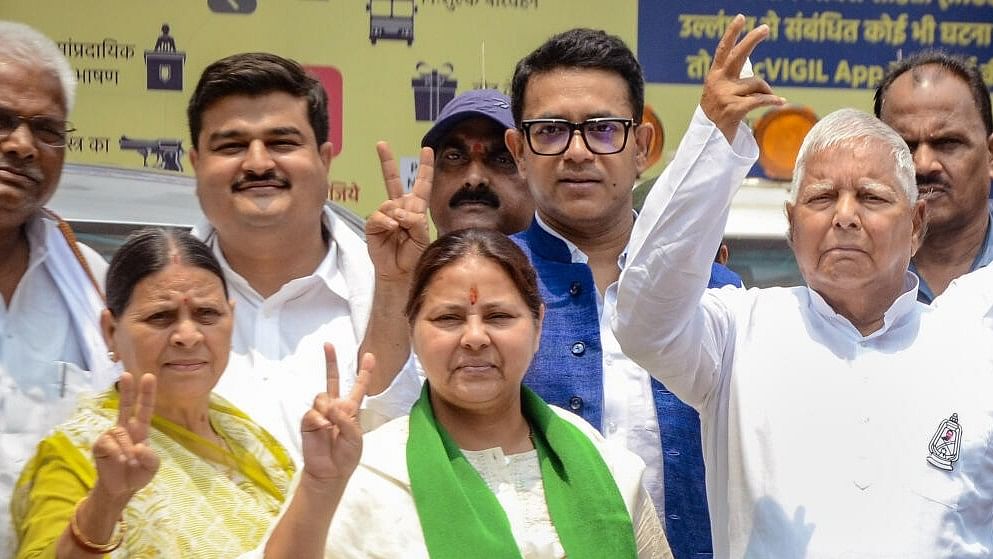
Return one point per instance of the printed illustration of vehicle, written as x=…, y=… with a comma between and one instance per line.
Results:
x=391, y=19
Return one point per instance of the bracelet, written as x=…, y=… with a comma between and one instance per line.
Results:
x=88, y=546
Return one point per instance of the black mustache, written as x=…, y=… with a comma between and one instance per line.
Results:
x=268, y=176
x=475, y=194
x=930, y=180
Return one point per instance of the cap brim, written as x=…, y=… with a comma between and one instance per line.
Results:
x=445, y=125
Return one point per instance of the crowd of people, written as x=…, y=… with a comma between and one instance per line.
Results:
x=554, y=376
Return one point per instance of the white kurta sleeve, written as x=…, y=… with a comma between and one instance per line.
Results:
x=664, y=320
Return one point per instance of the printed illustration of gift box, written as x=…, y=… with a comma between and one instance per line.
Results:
x=433, y=89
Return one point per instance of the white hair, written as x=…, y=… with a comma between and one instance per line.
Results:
x=22, y=44
x=851, y=126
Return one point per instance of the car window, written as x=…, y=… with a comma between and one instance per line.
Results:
x=763, y=262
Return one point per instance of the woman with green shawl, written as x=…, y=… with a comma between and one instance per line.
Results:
x=158, y=466
x=481, y=467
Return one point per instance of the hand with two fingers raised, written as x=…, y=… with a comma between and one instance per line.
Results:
x=728, y=97
x=332, y=437
x=124, y=461
x=397, y=232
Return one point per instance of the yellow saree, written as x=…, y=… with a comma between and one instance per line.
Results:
x=204, y=501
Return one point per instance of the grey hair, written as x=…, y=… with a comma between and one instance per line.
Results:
x=22, y=44
x=850, y=126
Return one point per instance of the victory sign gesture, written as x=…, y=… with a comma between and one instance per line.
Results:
x=397, y=232
x=332, y=438
x=124, y=461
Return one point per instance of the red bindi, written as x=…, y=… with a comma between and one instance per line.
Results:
x=473, y=295
x=477, y=147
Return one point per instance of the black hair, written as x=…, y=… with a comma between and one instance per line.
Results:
x=148, y=251
x=253, y=74
x=585, y=49
x=485, y=243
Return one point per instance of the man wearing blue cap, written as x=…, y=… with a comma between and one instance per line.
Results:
x=476, y=183
x=473, y=182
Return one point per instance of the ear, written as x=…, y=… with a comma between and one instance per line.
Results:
x=643, y=134
x=107, y=327
x=919, y=226
x=516, y=141
x=789, y=208
x=194, y=158
x=989, y=147
x=325, y=150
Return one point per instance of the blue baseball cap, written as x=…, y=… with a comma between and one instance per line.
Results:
x=488, y=103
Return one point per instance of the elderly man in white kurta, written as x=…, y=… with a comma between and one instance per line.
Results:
x=843, y=419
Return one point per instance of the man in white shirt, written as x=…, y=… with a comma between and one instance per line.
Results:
x=298, y=275
x=841, y=419
x=50, y=342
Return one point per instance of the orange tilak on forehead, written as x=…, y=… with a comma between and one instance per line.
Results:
x=473, y=295
x=477, y=147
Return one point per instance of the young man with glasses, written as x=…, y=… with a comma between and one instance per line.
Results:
x=580, y=143
x=49, y=316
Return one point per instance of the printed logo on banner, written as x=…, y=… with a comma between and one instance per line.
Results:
x=330, y=78
x=168, y=152
x=433, y=89
x=391, y=20
x=232, y=6
x=164, y=64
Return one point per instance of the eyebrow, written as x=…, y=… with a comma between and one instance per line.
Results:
x=492, y=144
x=238, y=133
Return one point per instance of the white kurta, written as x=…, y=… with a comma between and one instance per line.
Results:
x=45, y=352
x=816, y=438
x=277, y=347
x=377, y=516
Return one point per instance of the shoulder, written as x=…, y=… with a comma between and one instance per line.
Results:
x=384, y=450
x=616, y=456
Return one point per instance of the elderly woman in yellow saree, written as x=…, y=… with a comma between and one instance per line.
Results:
x=158, y=466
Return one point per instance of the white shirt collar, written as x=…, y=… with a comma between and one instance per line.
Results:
x=902, y=307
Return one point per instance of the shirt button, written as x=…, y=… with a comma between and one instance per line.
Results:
x=672, y=452
x=575, y=403
x=673, y=516
x=575, y=289
x=578, y=348
x=612, y=427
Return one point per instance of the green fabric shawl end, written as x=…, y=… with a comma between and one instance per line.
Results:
x=461, y=517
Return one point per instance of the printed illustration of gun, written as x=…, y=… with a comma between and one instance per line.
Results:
x=168, y=152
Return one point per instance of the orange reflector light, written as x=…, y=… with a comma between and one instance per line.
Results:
x=779, y=134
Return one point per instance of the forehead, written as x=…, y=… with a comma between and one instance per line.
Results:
x=470, y=270
x=252, y=112
x=479, y=129
x=178, y=279
x=30, y=90
x=576, y=94
x=930, y=91
x=851, y=163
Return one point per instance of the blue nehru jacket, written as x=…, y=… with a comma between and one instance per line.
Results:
x=567, y=372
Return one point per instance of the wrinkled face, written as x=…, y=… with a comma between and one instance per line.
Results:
x=474, y=335
x=935, y=113
x=580, y=190
x=476, y=183
x=29, y=169
x=177, y=326
x=258, y=165
x=852, y=228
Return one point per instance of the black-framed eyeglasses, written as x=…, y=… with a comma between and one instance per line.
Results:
x=602, y=136
x=47, y=130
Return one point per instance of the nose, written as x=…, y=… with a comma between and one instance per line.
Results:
x=926, y=159
x=475, y=174
x=577, y=150
x=257, y=158
x=846, y=212
x=20, y=143
x=187, y=334
x=475, y=336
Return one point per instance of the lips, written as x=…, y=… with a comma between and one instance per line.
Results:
x=186, y=365
x=474, y=366
x=243, y=186
x=19, y=176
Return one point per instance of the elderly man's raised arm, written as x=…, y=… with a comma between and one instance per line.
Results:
x=663, y=320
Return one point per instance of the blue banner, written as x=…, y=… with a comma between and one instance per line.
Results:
x=813, y=43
